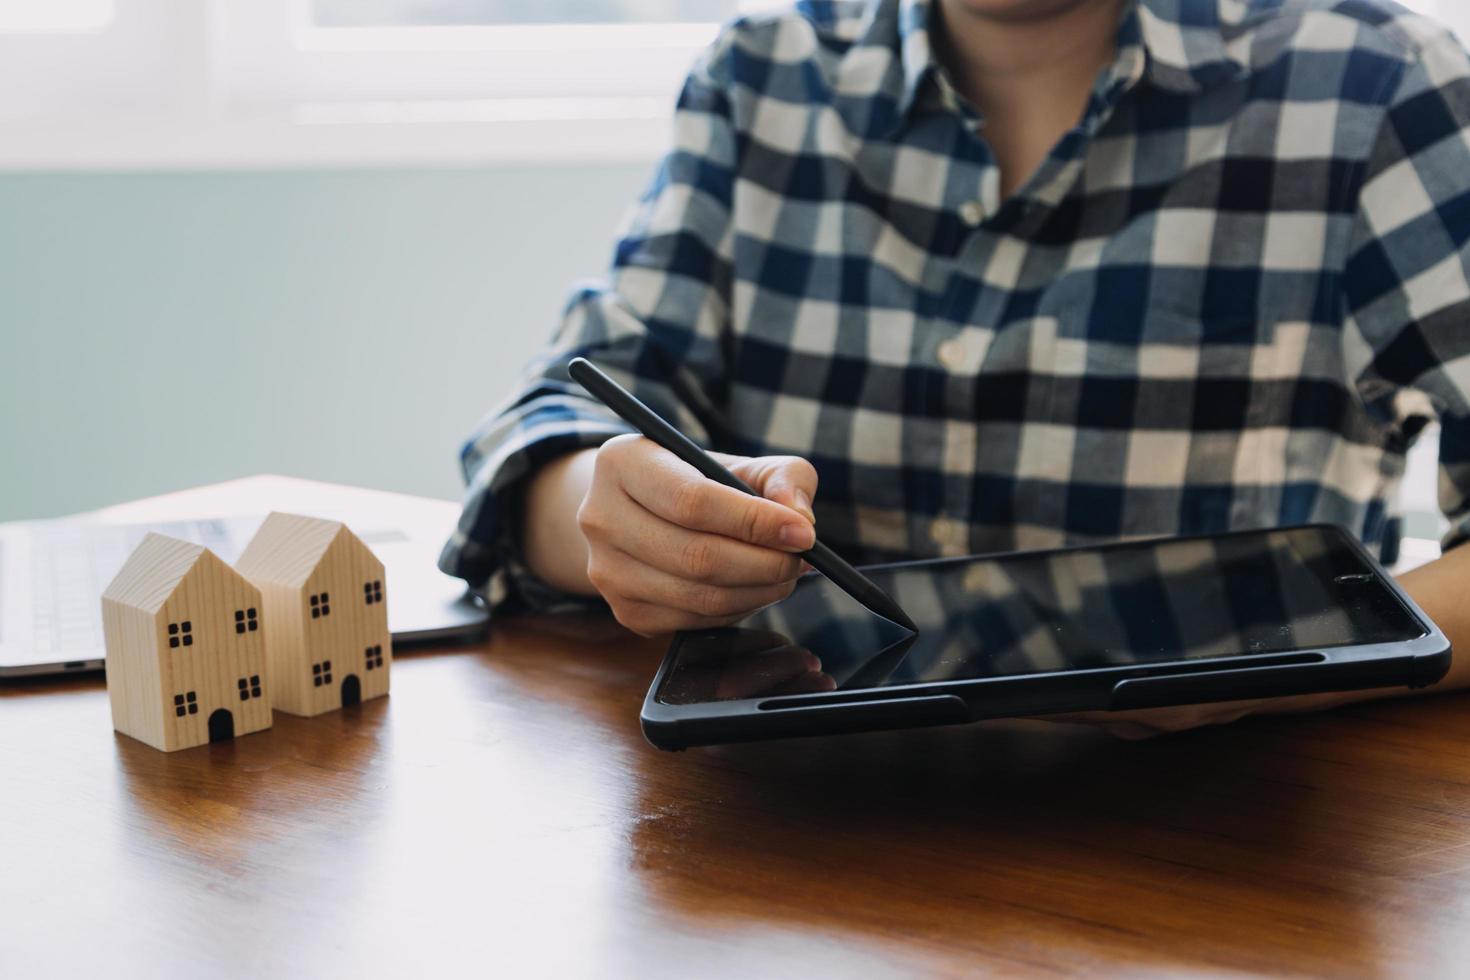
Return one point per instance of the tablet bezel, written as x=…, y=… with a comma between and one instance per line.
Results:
x=1412, y=663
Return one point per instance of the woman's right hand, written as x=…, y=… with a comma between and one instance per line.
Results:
x=670, y=549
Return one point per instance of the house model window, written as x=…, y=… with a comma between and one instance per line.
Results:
x=319, y=606
x=374, y=656
x=372, y=591
x=321, y=673
x=186, y=703
x=181, y=633
x=245, y=619
x=249, y=687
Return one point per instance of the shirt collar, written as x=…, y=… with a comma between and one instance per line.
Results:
x=1187, y=43
x=915, y=53
x=1197, y=45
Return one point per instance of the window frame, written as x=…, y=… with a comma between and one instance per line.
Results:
x=220, y=84
x=252, y=84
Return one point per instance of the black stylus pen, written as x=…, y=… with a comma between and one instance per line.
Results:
x=648, y=422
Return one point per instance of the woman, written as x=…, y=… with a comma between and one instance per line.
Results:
x=1009, y=274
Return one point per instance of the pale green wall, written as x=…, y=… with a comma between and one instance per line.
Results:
x=159, y=331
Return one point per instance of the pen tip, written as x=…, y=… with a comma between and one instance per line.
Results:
x=895, y=613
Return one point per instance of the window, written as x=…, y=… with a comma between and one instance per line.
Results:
x=336, y=62
x=186, y=703
x=272, y=83
x=320, y=606
x=321, y=673
x=55, y=16
x=246, y=619
x=249, y=687
x=442, y=13
x=1452, y=13
x=374, y=656
x=372, y=592
x=181, y=634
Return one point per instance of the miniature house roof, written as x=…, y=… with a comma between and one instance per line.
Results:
x=154, y=570
x=288, y=548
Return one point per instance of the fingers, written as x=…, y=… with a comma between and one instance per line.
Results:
x=655, y=619
x=788, y=480
x=670, y=549
x=646, y=583
x=706, y=558
x=618, y=521
x=675, y=491
x=650, y=601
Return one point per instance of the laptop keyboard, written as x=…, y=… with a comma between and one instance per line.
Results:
x=71, y=563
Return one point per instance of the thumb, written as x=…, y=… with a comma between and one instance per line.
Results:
x=788, y=480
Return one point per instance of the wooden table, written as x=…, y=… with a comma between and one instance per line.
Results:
x=501, y=809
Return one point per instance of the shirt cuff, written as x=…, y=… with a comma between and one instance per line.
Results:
x=485, y=549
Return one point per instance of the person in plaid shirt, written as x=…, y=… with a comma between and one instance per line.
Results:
x=1007, y=274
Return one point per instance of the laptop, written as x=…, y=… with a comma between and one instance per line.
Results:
x=53, y=572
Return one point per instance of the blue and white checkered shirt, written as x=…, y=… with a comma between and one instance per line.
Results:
x=1230, y=297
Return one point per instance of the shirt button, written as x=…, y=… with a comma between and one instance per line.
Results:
x=972, y=213
x=951, y=353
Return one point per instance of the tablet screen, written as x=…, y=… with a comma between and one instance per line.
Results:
x=1167, y=600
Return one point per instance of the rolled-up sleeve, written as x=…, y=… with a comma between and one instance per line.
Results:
x=1408, y=274
x=656, y=326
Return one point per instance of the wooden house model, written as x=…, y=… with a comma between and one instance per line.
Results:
x=324, y=595
x=185, y=637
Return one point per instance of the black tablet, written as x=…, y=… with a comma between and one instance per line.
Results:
x=1139, y=624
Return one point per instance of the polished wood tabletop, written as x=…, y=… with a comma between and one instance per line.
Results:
x=501, y=814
